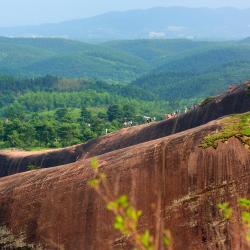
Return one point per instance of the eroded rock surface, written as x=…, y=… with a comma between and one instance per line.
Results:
x=54, y=208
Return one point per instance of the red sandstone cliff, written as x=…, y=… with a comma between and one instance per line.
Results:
x=236, y=101
x=54, y=208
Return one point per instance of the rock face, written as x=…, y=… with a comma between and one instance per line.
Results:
x=54, y=208
x=235, y=101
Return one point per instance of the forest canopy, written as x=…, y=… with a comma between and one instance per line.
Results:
x=50, y=112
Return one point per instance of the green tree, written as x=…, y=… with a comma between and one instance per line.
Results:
x=1, y=130
x=63, y=115
x=15, y=110
x=85, y=116
x=87, y=134
x=14, y=139
x=114, y=112
x=45, y=133
x=69, y=133
x=128, y=111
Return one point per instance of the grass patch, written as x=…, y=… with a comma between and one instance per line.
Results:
x=234, y=126
x=207, y=100
x=33, y=167
x=37, y=148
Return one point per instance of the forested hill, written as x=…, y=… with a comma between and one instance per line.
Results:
x=19, y=56
x=53, y=112
x=119, y=60
x=160, y=65
x=159, y=50
x=203, y=72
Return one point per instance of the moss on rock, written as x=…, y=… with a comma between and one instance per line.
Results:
x=233, y=126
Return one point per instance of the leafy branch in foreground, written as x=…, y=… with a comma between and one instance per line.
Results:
x=127, y=217
x=227, y=212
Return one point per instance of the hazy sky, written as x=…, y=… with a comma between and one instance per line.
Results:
x=22, y=12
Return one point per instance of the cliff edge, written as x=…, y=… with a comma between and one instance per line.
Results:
x=54, y=208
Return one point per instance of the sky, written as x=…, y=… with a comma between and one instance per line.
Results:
x=33, y=12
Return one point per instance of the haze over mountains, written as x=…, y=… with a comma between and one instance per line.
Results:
x=169, y=22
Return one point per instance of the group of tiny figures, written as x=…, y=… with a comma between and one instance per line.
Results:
x=128, y=124
x=179, y=112
x=175, y=114
x=148, y=119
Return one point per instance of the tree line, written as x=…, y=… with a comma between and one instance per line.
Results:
x=48, y=111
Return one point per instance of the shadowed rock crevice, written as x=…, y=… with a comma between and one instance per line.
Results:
x=9, y=241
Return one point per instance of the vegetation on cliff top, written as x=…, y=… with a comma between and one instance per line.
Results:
x=233, y=126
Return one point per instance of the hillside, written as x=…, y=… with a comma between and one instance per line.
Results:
x=53, y=112
x=172, y=22
x=158, y=67
x=117, y=60
x=204, y=72
x=66, y=58
x=236, y=101
x=157, y=51
x=62, y=211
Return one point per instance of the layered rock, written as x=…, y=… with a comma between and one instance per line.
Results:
x=234, y=101
x=54, y=208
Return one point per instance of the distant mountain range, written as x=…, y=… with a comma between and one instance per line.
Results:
x=171, y=22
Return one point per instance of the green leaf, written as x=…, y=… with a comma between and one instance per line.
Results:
x=248, y=235
x=94, y=164
x=112, y=206
x=225, y=210
x=246, y=217
x=119, y=223
x=244, y=203
x=145, y=238
x=94, y=183
x=166, y=239
x=131, y=213
x=123, y=201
